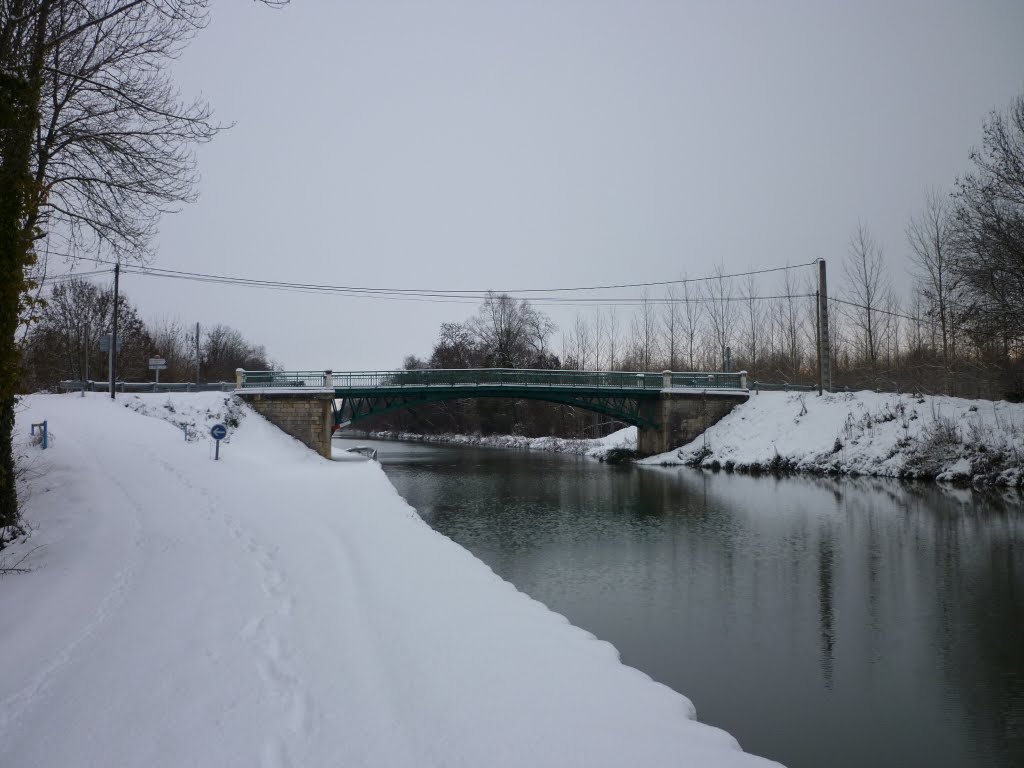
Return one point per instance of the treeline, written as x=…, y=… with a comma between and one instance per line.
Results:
x=64, y=342
x=959, y=330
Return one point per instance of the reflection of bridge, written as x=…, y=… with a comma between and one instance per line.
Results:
x=667, y=407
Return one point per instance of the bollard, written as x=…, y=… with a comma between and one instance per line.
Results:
x=43, y=429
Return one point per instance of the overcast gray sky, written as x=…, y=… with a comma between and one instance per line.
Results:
x=466, y=145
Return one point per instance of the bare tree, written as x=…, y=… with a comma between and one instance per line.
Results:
x=990, y=232
x=721, y=308
x=599, y=332
x=645, y=333
x=115, y=149
x=577, y=345
x=930, y=236
x=789, y=324
x=612, y=337
x=672, y=326
x=753, y=323
x=64, y=342
x=174, y=343
x=691, y=321
x=917, y=326
x=224, y=349
x=510, y=331
x=864, y=269
x=454, y=348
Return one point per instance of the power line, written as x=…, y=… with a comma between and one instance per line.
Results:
x=51, y=279
x=409, y=295
x=447, y=298
x=450, y=293
x=883, y=311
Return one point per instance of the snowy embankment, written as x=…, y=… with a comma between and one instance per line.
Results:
x=866, y=433
x=274, y=608
x=598, y=448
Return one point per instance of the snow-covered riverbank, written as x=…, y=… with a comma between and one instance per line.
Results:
x=599, y=448
x=274, y=608
x=946, y=438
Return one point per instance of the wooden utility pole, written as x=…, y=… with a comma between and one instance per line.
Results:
x=824, y=347
x=113, y=337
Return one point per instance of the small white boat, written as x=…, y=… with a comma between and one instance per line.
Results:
x=364, y=450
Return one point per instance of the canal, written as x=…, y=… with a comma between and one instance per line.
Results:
x=822, y=622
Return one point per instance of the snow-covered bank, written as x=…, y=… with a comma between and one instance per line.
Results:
x=912, y=436
x=273, y=608
x=598, y=448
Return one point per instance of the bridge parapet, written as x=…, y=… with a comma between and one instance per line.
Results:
x=490, y=377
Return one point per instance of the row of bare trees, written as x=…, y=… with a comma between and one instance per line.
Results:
x=63, y=344
x=707, y=324
x=960, y=330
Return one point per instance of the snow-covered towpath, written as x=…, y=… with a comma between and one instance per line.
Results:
x=277, y=609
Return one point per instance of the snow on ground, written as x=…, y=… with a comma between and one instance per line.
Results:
x=598, y=448
x=948, y=438
x=276, y=609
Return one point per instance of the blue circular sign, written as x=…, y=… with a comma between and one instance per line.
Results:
x=218, y=431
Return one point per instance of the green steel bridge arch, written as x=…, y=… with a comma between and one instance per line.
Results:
x=356, y=405
x=359, y=395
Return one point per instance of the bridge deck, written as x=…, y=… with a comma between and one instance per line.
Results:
x=487, y=378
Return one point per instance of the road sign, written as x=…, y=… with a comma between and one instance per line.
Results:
x=105, y=342
x=218, y=432
x=157, y=364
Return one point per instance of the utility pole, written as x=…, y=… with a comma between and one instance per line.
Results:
x=824, y=347
x=86, y=345
x=113, y=338
x=197, y=355
x=817, y=336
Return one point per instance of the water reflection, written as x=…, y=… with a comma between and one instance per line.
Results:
x=821, y=621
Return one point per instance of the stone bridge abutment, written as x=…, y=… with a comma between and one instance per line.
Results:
x=306, y=416
x=682, y=416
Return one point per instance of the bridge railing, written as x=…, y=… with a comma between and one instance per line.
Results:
x=710, y=380
x=529, y=378
x=254, y=379
x=491, y=377
x=495, y=377
x=146, y=386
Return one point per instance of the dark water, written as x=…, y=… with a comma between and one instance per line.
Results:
x=821, y=622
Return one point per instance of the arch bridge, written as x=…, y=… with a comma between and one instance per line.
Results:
x=666, y=407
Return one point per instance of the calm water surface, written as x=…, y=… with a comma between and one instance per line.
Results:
x=821, y=622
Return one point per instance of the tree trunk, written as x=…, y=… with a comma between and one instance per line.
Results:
x=19, y=119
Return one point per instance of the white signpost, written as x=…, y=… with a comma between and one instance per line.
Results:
x=157, y=364
x=105, y=347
